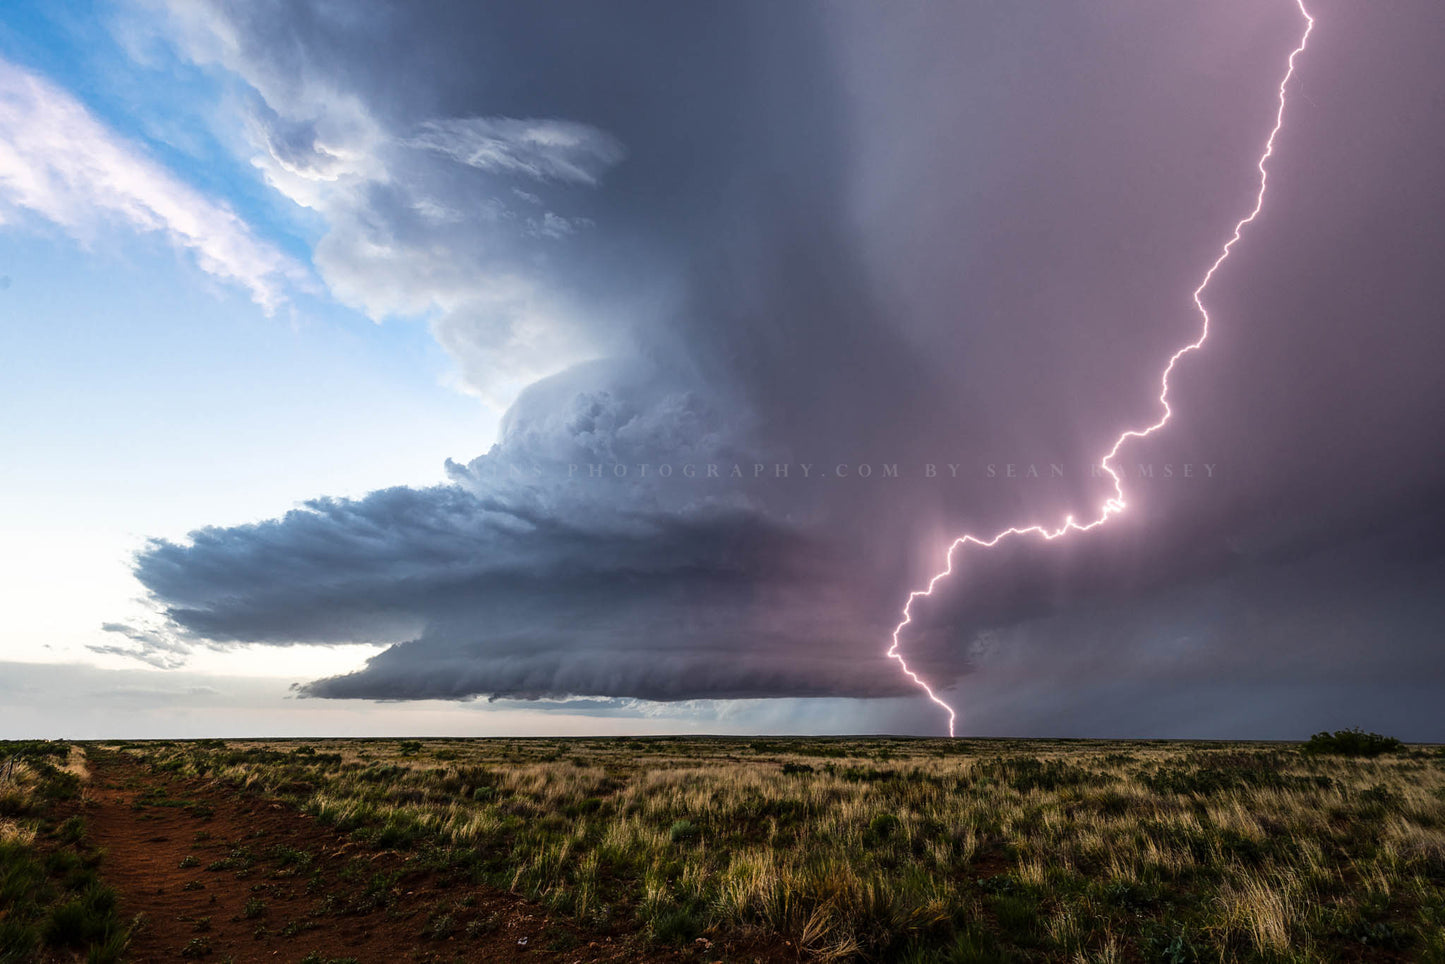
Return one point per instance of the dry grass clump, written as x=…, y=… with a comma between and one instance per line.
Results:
x=18, y=799
x=909, y=850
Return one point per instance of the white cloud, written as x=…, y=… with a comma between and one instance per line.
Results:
x=542, y=148
x=552, y=225
x=59, y=162
x=157, y=646
x=424, y=220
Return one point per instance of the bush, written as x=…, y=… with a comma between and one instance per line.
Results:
x=86, y=919
x=1352, y=742
x=677, y=925
x=72, y=831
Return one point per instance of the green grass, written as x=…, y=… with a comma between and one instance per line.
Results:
x=53, y=904
x=898, y=849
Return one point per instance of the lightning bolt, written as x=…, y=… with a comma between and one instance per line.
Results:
x=1115, y=505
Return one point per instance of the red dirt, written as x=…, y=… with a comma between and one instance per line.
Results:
x=148, y=823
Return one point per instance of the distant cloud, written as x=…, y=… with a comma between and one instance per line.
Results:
x=59, y=162
x=544, y=149
x=156, y=647
x=555, y=226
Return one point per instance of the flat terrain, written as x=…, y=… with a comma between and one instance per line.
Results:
x=770, y=850
x=240, y=876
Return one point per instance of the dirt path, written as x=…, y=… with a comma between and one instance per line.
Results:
x=228, y=875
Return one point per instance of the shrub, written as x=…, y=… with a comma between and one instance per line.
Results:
x=1351, y=742
x=682, y=831
x=72, y=831
x=676, y=925
x=87, y=918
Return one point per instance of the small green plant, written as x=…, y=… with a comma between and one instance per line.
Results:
x=676, y=925
x=72, y=831
x=682, y=831
x=197, y=947
x=975, y=946
x=441, y=926
x=1176, y=947
x=255, y=907
x=1018, y=916
x=190, y=860
x=883, y=826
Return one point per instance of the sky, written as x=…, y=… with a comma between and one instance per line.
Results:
x=578, y=367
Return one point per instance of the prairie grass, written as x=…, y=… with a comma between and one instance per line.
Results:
x=53, y=904
x=899, y=849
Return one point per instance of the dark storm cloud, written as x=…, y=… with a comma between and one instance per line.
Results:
x=662, y=606
x=850, y=233
x=656, y=606
x=527, y=588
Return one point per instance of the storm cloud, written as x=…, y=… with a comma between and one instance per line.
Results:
x=935, y=241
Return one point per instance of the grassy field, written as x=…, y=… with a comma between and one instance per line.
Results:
x=902, y=849
x=54, y=905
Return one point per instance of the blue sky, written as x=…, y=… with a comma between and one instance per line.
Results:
x=129, y=75
x=145, y=397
